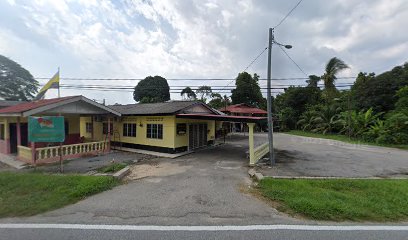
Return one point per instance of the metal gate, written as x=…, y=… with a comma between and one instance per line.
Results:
x=197, y=135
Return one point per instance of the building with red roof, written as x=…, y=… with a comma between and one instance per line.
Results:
x=241, y=109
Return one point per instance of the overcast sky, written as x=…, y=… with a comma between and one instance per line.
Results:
x=198, y=39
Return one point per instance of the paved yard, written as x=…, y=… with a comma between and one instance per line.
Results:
x=86, y=164
x=210, y=186
x=303, y=156
x=4, y=167
x=204, y=188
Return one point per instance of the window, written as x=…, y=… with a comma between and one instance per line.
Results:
x=89, y=127
x=2, y=131
x=66, y=126
x=129, y=129
x=105, y=128
x=154, y=131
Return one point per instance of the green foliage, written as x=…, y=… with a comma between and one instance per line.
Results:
x=297, y=98
x=379, y=92
x=326, y=120
x=357, y=123
x=16, y=83
x=112, y=168
x=307, y=119
x=204, y=92
x=402, y=104
x=333, y=67
x=188, y=93
x=313, y=81
x=217, y=101
x=152, y=90
x=340, y=199
x=26, y=194
x=247, y=90
x=396, y=132
x=287, y=119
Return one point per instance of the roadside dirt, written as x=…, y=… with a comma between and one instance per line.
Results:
x=156, y=169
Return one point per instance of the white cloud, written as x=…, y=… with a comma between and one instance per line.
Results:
x=197, y=39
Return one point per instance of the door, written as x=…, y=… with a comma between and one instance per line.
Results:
x=13, y=137
x=197, y=134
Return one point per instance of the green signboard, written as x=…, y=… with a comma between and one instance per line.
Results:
x=46, y=129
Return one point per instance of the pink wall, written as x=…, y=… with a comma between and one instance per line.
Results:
x=5, y=146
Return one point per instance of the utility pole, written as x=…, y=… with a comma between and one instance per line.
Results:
x=269, y=98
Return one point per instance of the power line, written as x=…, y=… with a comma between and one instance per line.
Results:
x=297, y=65
x=255, y=59
x=287, y=15
x=178, y=79
x=250, y=64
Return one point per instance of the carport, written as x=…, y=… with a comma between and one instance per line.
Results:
x=254, y=153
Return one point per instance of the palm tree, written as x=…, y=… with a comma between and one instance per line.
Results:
x=326, y=120
x=334, y=66
x=313, y=81
x=188, y=93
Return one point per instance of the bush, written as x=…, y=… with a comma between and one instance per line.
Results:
x=396, y=129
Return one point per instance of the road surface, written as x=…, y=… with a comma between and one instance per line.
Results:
x=260, y=232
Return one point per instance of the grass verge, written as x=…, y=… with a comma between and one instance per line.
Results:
x=375, y=200
x=114, y=167
x=343, y=138
x=26, y=194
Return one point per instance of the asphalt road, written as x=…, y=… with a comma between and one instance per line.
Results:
x=304, y=156
x=127, y=232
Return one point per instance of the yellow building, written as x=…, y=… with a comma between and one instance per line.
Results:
x=156, y=126
x=92, y=128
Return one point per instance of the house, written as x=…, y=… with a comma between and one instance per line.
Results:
x=6, y=103
x=241, y=109
x=14, y=128
x=170, y=127
x=90, y=128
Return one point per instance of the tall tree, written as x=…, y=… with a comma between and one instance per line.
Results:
x=313, y=81
x=16, y=83
x=247, y=90
x=204, y=92
x=218, y=101
x=152, y=90
x=379, y=92
x=188, y=93
x=333, y=67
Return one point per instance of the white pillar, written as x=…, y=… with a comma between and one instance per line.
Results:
x=251, y=144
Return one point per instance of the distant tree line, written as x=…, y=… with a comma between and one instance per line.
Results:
x=374, y=109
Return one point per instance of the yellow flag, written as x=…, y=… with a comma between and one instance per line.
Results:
x=52, y=83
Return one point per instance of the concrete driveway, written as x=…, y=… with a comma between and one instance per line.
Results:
x=208, y=187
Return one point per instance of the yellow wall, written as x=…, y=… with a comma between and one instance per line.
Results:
x=182, y=140
x=170, y=137
x=142, y=121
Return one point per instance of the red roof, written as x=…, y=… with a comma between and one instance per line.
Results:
x=221, y=117
x=242, y=108
x=26, y=106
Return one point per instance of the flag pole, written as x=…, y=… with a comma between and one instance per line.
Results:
x=59, y=82
x=59, y=114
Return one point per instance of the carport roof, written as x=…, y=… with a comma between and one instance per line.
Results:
x=225, y=118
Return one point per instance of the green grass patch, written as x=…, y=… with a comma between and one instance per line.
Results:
x=343, y=138
x=26, y=194
x=340, y=199
x=114, y=167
